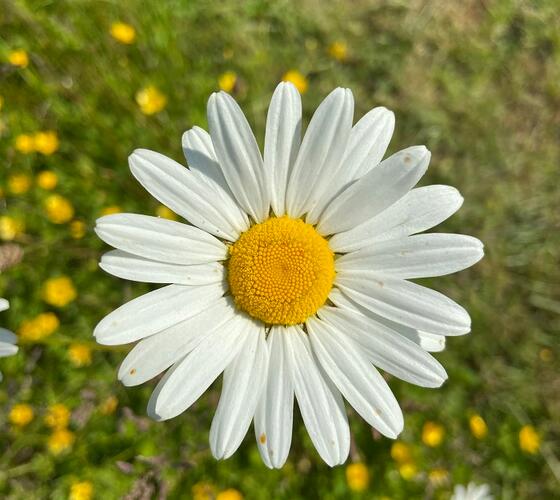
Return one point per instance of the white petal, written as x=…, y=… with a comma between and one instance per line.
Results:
x=320, y=153
x=418, y=210
x=319, y=402
x=407, y=303
x=160, y=239
x=368, y=143
x=375, y=191
x=359, y=382
x=185, y=382
x=156, y=353
x=430, y=342
x=4, y=304
x=420, y=256
x=201, y=158
x=281, y=143
x=7, y=336
x=7, y=348
x=131, y=267
x=155, y=311
x=242, y=386
x=274, y=415
x=183, y=192
x=386, y=349
x=238, y=154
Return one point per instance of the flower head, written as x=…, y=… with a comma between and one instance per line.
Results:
x=60, y=441
x=59, y=291
x=150, y=100
x=229, y=494
x=478, y=426
x=25, y=144
x=46, y=143
x=432, y=434
x=357, y=476
x=18, y=58
x=39, y=327
x=10, y=228
x=47, y=180
x=227, y=81
x=529, y=440
x=79, y=354
x=297, y=79
x=21, y=414
x=124, y=33
x=292, y=278
x=19, y=183
x=471, y=492
x=77, y=229
x=81, y=490
x=339, y=51
x=58, y=416
x=59, y=210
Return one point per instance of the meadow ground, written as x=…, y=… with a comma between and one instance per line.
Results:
x=478, y=82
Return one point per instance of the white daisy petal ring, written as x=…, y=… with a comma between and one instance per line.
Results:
x=290, y=277
x=7, y=338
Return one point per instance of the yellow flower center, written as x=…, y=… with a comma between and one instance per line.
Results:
x=281, y=271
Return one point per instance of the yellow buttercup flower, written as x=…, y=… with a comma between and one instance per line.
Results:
x=400, y=452
x=59, y=291
x=25, y=144
x=59, y=210
x=227, y=81
x=77, y=229
x=124, y=33
x=19, y=183
x=438, y=477
x=47, y=180
x=357, y=476
x=109, y=406
x=38, y=328
x=297, y=79
x=408, y=470
x=79, y=354
x=60, y=440
x=113, y=209
x=21, y=415
x=150, y=100
x=82, y=490
x=10, y=228
x=203, y=491
x=166, y=213
x=529, y=439
x=58, y=416
x=339, y=51
x=478, y=427
x=432, y=434
x=46, y=142
x=18, y=58
x=229, y=494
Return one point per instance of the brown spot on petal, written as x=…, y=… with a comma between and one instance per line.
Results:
x=133, y=371
x=262, y=438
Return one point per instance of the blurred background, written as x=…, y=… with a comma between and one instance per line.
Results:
x=83, y=83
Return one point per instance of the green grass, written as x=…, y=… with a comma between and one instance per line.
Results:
x=475, y=81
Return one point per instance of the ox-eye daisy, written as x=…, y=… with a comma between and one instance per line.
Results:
x=291, y=277
x=7, y=338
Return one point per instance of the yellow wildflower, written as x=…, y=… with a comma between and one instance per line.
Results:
x=339, y=51
x=60, y=441
x=438, y=477
x=82, y=490
x=227, y=81
x=109, y=406
x=47, y=180
x=19, y=183
x=80, y=354
x=40, y=327
x=166, y=213
x=150, y=100
x=478, y=427
x=113, y=209
x=10, y=228
x=400, y=452
x=59, y=210
x=229, y=494
x=432, y=434
x=21, y=414
x=57, y=416
x=46, y=142
x=297, y=79
x=408, y=470
x=124, y=33
x=59, y=291
x=357, y=476
x=529, y=439
x=25, y=144
x=18, y=58
x=77, y=229
x=202, y=491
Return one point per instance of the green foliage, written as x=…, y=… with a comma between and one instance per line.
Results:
x=477, y=82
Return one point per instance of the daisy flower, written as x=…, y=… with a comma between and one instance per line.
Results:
x=7, y=338
x=471, y=492
x=292, y=276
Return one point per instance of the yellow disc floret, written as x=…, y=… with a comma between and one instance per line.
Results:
x=281, y=271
